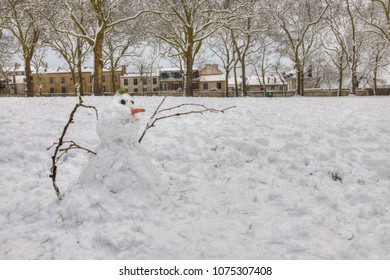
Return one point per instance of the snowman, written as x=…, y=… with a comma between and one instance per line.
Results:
x=120, y=177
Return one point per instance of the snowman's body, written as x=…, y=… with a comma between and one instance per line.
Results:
x=120, y=175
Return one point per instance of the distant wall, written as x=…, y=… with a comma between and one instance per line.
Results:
x=383, y=91
x=310, y=93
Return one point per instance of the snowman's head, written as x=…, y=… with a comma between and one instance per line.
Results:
x=128, y=102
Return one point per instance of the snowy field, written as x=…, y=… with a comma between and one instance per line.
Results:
x=252, y=183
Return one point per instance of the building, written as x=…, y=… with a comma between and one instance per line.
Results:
x=171, y=79
x=255, y=84
x=134, y=83
x=212, y=79
x=15, y=85
x=309, y=82
x=209, y=78
x=60, y=81
x=272, y=83
x=12, y=81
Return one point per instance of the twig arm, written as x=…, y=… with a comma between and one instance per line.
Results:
x=59, y=151
x=154, y=119
x=151, y=118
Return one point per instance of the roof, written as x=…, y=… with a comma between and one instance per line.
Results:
x=136, y=75
x=254, y=80
x=213, y=78
x=169, y=70
x=59, y=70
x=174, y=69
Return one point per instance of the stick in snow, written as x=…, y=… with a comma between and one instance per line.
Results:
x=59, y=150
x=154, y=118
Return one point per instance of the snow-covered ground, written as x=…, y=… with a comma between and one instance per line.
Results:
x=252, y=183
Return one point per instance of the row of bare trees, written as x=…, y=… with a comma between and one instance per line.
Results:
x=327, y=40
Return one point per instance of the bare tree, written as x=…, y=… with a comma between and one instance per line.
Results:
x=222, y=46
x=7, y=54
x=377, y=60
x=37, y=61
x=244, y=33
x=120, y=45
x=146, y=64
x=378, y=17
x=336, y=41
x=261, y=60
x=102, y=17
x=74, y=50
x=21, y=19
x=356, y=37
x=299, y=23
x=185, y=25
x=281, y=69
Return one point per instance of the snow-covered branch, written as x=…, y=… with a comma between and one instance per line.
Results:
x=59, y=150
x=155, y=118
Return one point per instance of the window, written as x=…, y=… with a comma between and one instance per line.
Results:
x=104, y=88
x=135, y=82
x=136, y=90
x=62, y=80
x=205, y=86
x=63, y=90
x=176, y=86
x=164, y=75
x=154, y=81
x=126, y=82
x=51, y=90
x=219, y=85
x=51, y=80
x=144, y=81
x=164, y=86
x=176, y=75
x=194, y=86
x=91, y=79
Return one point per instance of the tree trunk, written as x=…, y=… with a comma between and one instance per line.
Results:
x=98, y=64
x=113, y=80
x=29, y=82
x=80, y=78
x=243, y=69
x=263, y=81
x=298, y=76
x=302, y=80
x=227, y=81
x=353, y=81
x=189, y=72
x=375, y=81
x=74, y=78
x=340, y=87
x=341, y=74
x=79, y=67
x=235, y=78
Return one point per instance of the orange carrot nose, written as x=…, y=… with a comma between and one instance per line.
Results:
x=137, y=110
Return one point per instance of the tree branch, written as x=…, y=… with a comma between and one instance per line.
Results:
x=59, y=151
x=154, y=118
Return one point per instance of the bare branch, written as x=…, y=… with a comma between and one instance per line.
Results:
x=154, y=119
x=59, y=151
